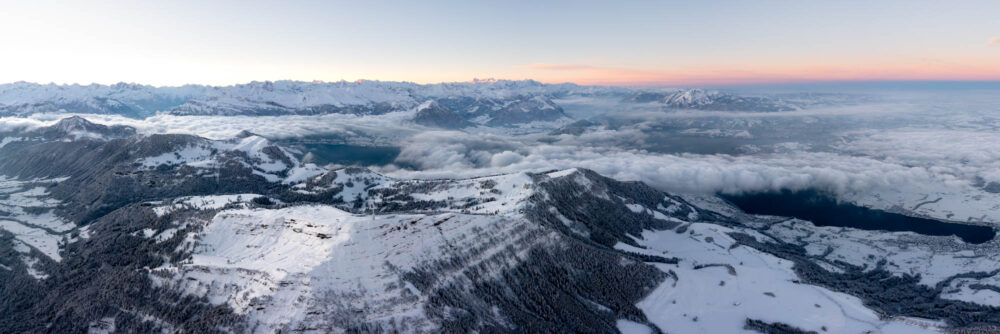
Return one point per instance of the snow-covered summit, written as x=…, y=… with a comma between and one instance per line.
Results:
x=691, y=97
x=701, y=99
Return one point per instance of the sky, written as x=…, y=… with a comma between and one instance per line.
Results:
x=673, y=43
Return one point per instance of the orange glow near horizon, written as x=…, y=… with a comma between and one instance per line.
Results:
x=970, y=70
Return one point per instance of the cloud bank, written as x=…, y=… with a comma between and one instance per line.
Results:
x=439, y=154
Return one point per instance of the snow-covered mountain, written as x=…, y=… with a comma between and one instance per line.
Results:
x=133, y=100
x=143, y=233
x=258, y=98
x=700, y=99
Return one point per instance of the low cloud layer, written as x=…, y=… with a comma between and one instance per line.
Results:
x=451, y=155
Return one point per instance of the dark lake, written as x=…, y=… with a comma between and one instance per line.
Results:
x=823, y=210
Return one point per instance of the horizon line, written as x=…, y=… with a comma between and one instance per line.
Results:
x=695, y=84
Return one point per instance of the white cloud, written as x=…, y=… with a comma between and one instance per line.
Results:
x=963, y=152
x=683, y=172
x=505, y=158
x=20, y=124
x=995, y=41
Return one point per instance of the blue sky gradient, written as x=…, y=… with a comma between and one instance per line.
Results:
x=590, y=42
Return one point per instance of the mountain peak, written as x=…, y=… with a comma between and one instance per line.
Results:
x=79, y=127
x=431, y=113
x=486, y=80
x=245, y=134
x=429, y=104
x=76, y=123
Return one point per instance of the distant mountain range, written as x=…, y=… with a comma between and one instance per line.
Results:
x=254, y=99
x=488, y=103
x=700, y=99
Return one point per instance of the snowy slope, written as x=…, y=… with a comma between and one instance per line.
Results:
x=717, y=287
x=282, y=268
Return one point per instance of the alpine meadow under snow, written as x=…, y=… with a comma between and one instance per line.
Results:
x=498, y=206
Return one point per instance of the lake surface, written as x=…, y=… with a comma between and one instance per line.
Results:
x=823, y=210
